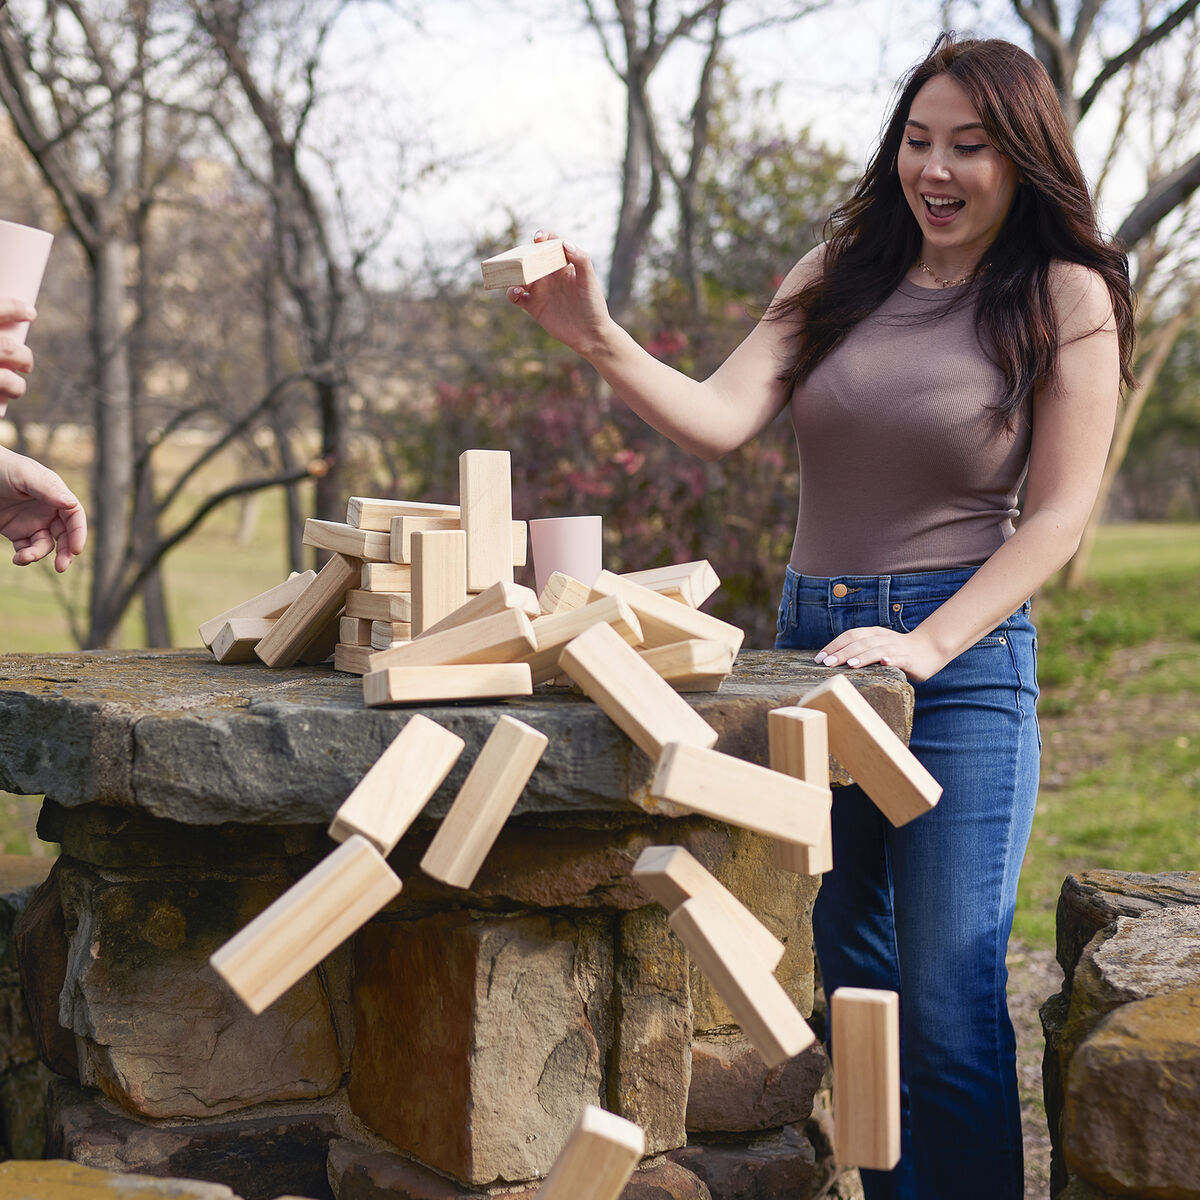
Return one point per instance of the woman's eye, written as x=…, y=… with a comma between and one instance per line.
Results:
x=970, y=149
x=915, y=143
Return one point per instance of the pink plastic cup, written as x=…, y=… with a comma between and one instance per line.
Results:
x=24, y=252
x=572, y=545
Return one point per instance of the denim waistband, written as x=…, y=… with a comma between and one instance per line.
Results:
x=875, y=592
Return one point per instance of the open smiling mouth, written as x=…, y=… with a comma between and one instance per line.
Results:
x=940, y=206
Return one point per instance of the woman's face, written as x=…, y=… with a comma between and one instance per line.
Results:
x=957, y=184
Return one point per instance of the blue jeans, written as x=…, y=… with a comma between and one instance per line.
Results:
x=925, y=910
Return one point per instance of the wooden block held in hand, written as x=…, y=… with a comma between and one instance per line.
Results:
x=665, y=620
x=741, y=793
x=880, y=763
x=690, y=582
x=648, y=710
x=504, y=638
x=237, y=638
x=392, y=793
x=272, y=603
x=311, y=611
x=346, y=539
x=554, y=632
x=755, y=997
x=562, y=593
x=379, y=606
x=523, y=264
x=672, y=876
x=308, y=922
x=493, y=786
x=799, y=742
x=485, y=493
x=428, y=685
x=696, y=665
x=601, y=1154
x=866, y=1077
x=439, y=576
x=364, y=512
x=497, y=599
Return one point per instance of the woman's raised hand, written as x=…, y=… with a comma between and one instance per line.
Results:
x=569, y=304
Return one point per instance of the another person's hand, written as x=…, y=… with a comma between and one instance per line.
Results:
x=16, y=360
x=913, y=653
x=569, y=304
x=38, y=512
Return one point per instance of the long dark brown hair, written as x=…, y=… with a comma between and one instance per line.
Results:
x=873, y=239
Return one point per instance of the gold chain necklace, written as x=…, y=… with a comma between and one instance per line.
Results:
x=942, y=282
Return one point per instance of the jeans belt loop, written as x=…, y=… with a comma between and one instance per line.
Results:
x=885, y=617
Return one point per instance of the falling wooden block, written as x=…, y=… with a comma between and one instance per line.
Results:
x=690, y=582
x=386, y=634
x=562, y=593
x=648, y=710
x=881, y=764
x=427, y=685
x=363, y=512
x=404, y=527
x=439, y=576
x=506, y=637
x=268, y=605
x=485, y=493
x=554, y=632
x=237, y=638
x=346, y=539
x=672, y=876
x=601, y=1154
x=866, y=1077
x=523, y=264
x=741, y=793
x=499, y=598
x=665, y=620
x=696, y=665
x=354, y=631
x=355, y=660
x=740, y=977
x=379, y=606
x=386, y=577
x=309, y=921
x=799, y=746
x=487, y=797
x=392, y=793
x=309, y=613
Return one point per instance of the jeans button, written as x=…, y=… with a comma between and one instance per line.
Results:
x=840, y=589
x=895, y=608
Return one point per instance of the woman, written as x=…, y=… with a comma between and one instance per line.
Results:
x=963, y=330
x=38, y=512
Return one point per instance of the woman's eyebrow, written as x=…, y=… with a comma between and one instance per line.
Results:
x=957, y=128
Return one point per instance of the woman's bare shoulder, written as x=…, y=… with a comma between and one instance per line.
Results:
x=1082, y=300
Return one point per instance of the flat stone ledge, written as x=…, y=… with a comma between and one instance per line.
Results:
x=179, y=736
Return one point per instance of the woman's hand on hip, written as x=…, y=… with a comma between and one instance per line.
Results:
x=913, y=653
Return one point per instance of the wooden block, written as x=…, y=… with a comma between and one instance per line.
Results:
x=356, y=660
x=392, y=793
x=345, y=539
x=755, y=997
x=799, y=747
x=488, y=795
x=562, y=593
x=321, y=645
x=866, y=1077
x=523, y=264
x=485, y=492
x=386, y=634
x=404, y=527
x=354, y=631
x=237, y=638
x=665, y=620
x=439, y=576
x=365, y=513
x=316, y=605
x=601, y=1154
x=696, y=665
x=690, y=582
x=554, y=632
x=379, y=606
x=741, y=793
x=649, y=711
x=269, y=604
x=672, y=876
x=426, y=685
x=309, y=921
x=881, y=764
x=386, y=577
x=497, y=599
x=504, y=638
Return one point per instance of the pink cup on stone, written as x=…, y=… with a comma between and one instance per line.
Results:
x=572, y=545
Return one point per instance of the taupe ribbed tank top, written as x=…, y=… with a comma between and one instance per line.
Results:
x=903, y=464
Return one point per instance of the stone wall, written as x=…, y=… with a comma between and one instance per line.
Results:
x=1122, y=1065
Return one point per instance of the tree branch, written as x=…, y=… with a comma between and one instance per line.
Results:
x=1162, y=198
